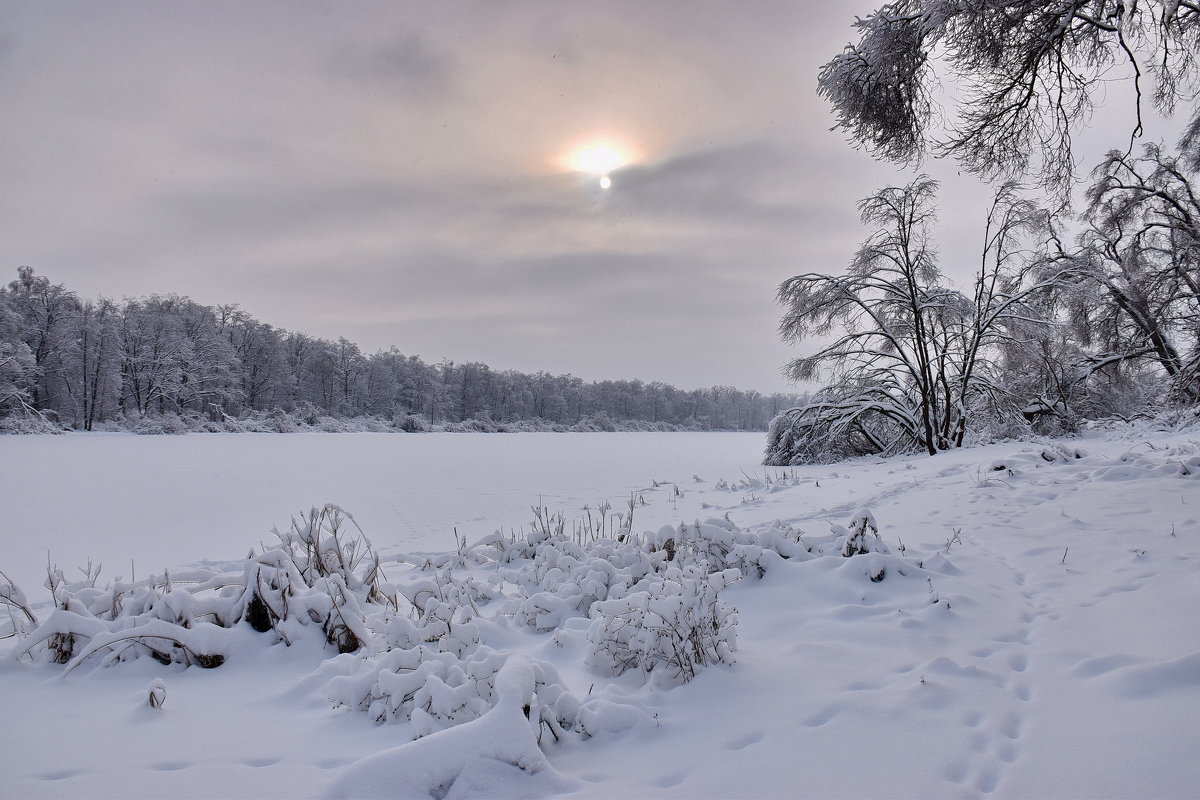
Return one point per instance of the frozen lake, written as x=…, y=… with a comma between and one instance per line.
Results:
x=168, y=501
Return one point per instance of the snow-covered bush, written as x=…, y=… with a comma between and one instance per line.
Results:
x=319, y=576
x=411, y=423
x=20, y=618
x=672, y=629
x=26, y=421
x=721, y=545
x=861, y=538
x=421, y=651
x=436, y=687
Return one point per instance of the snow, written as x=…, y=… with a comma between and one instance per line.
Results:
x=166, y=501
x=1033, y=634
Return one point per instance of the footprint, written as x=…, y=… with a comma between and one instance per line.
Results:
x=1019, y=662
x=171, y=766
x=261, y=762
x=972, y=719
x=743, y=742
x=1012, y=726
x=1007, y=752
x=956, y=771
x=988, y=780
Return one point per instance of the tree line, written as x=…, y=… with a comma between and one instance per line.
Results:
x=83, y=364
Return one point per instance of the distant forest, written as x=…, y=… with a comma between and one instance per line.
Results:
x=165, y=363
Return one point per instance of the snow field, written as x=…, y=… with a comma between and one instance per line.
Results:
x=1034, y=636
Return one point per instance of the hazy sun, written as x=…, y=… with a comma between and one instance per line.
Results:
x=597, y=158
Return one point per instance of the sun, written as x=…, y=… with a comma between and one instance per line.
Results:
x=599, y=158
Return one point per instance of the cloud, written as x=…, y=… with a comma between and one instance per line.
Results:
x=386, y=173
x=408, y=66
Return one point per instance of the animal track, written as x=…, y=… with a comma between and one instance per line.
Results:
x=1012, y=726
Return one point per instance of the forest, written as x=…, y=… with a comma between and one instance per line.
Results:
x=165, y=363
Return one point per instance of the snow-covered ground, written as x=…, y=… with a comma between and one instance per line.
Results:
x=166, y=501
x=1035, y=634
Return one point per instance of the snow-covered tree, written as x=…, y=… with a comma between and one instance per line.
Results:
x=46, y=314
x=1028, y=72
x=97, y=367
x=1143, y=251
x=166, y=356
x=17, y=368
x=912, y=360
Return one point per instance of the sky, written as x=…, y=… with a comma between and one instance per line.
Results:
x=401, y=173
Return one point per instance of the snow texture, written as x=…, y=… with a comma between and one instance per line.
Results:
x=1013, y=620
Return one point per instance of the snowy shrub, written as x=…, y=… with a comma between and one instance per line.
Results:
x=411, y=423
x=322, y=544
x=16, y=608
x=861, y=538
x=598, y=716
x=437, y=688
x=319, y=577
x=25, y=421
x=672, y=629
x=281, y=421
x=156, y=693
x=159, y=425
x=721, y=545
x=418, y=651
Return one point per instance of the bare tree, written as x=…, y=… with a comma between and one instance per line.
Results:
x=911, y=360
x=1142, y=250
x=1028, y=72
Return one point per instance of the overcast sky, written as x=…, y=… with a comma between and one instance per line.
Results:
x=394, y=172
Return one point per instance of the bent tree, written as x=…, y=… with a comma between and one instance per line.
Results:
x=909, y=362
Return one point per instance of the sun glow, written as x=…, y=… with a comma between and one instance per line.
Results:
x=598, y=159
